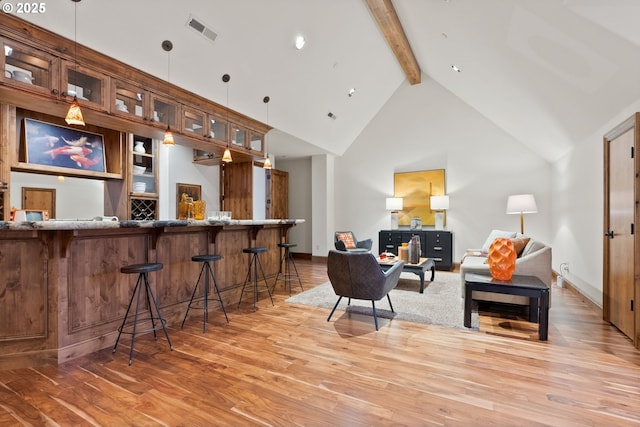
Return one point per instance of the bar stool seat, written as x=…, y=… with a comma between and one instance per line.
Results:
x=131, y=326
x=255, y=262
x=288, y=261
x=206, y=269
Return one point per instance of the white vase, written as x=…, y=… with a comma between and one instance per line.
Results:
x=139, y=147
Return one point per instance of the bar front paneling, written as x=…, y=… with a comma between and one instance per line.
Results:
x=62, y=294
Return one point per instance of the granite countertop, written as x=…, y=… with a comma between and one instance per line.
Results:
x=97, y=224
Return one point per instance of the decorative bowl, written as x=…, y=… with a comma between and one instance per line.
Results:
x=139, y=170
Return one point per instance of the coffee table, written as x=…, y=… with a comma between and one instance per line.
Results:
x=418, y=268
x=528, y=286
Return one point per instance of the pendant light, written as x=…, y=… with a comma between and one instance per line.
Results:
x=168, y=136
x=74, y=115
x=267, y=161
x=226, y=157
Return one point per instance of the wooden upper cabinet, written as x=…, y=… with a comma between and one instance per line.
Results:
x=89, y=86
x=29, y=69
x=164, y=111
x=129, y=100
x=256, y=141
x=194, y=122
x=239, y=136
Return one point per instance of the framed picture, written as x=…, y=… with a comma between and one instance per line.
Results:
x=63, y=147
x=191, y=190
x=416, y=188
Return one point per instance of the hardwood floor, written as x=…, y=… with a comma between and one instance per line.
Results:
x=285, y=365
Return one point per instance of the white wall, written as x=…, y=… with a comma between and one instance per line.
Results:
x=426, y=127
x=176, y=166
x=300, y=201
x=76, y=198
x=578, y=204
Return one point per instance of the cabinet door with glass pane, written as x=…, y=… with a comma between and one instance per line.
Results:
x=130, y=101
x=29, y=69
x=87, y=85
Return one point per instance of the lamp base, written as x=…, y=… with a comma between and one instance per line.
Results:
x=394, y=220
x=439, y=221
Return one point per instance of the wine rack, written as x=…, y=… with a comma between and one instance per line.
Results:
x=143, y=209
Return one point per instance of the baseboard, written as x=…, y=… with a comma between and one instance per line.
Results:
x=301, y=255
x=584, y=298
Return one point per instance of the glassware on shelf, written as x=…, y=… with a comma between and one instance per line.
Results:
x=199, y=208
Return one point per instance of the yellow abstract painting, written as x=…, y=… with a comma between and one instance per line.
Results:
x=415, y=189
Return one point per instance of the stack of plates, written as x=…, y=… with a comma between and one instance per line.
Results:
x=139, y=187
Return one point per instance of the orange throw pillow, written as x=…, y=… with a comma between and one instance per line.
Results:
x=347, y=238
x=520, y=243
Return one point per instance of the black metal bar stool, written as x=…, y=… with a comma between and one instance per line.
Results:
x=255, y=262
x=143, y=271
x=208, y=273
x=288, y=261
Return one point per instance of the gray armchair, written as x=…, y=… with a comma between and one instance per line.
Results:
x=346, y=241
x=358, y=275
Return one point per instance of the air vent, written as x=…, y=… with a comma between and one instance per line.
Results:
x=201, y=28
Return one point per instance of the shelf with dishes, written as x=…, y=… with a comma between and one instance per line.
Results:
x=143, y=165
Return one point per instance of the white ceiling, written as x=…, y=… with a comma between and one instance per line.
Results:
x=548, y=72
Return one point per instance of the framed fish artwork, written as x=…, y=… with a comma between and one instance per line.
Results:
x=53, y=145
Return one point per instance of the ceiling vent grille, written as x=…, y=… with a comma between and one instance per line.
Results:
x=198, y=26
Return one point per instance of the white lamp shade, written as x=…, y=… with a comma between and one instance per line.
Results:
x=439, y=203
x=394, y=203
x=521, y=203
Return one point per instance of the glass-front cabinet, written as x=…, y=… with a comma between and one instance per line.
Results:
x=256, y=141
x=129, y=100
x=164, y=111
x=238, y=136
x=217, y=128
x=30, y=69
x=193, y=122
x=143, y=192
x=85, y=84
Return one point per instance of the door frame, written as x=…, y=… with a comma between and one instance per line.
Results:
x=632, y=122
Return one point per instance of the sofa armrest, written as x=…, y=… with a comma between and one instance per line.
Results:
x=536, y=264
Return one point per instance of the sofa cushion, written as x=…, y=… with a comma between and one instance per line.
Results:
x=520, y=243
x=532, y=246
x=347, y=239
x=494, y=235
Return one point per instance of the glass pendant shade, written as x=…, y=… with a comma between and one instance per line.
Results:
x=226, y=157
x=74, y=115
x=168, y=137
x=267, y=163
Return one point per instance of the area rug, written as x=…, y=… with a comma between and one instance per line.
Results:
x=440, y=304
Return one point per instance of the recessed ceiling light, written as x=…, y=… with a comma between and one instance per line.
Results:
x=351, y=92
x=456, y=69
x=300, y=41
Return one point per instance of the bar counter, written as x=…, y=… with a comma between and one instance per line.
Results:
x=62, y=294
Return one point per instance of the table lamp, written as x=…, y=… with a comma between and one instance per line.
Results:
x=521, y=204
x=439, y=204
x=394, y=204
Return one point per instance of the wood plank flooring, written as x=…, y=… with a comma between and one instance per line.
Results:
x=285, y=365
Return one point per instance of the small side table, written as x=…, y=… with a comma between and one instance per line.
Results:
x=528, y=286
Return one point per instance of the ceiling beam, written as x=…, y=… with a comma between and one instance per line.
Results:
x=388, y=22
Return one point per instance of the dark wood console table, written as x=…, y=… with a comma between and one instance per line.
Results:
x=528, y=286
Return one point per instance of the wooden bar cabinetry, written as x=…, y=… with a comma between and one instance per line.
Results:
x=64, y=295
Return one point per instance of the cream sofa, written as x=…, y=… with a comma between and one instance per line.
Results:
x=534, y=260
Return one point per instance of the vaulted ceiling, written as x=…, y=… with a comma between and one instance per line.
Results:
x=548, y=72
